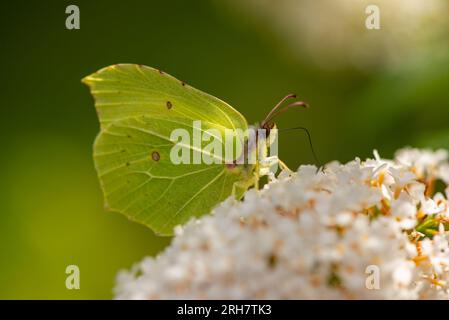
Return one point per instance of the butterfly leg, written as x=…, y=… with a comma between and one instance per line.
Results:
x=256, y=177
x=239, y=188
x=284, y=166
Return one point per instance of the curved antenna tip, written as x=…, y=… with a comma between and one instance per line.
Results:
x=299, y=104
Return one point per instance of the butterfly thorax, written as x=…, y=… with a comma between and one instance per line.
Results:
x=260, y=151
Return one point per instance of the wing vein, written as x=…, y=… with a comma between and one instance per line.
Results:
x=193, y=197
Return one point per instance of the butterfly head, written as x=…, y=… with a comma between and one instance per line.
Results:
x=268, y=126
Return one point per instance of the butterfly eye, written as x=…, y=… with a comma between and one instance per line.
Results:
x=268, y=126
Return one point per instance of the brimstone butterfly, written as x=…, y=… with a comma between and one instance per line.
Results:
x=138, y=109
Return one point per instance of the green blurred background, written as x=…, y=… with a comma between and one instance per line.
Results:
x=369, y=89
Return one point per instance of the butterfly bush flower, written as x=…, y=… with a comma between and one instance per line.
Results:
x=315, y=235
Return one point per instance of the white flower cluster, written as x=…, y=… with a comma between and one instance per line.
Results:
x=373, y=229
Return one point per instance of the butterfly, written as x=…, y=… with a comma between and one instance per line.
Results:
x=138, y=109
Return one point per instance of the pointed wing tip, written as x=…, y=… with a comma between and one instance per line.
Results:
x=90, y=78
x=86, y=80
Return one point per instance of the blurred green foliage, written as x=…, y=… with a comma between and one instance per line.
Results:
x=51, y=211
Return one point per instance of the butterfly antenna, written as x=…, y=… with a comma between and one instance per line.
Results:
x=277, y=110
x=310, y=141
x=292, y=105
x=276, y=107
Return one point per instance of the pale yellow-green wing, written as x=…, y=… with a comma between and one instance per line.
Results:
x=139, y=107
